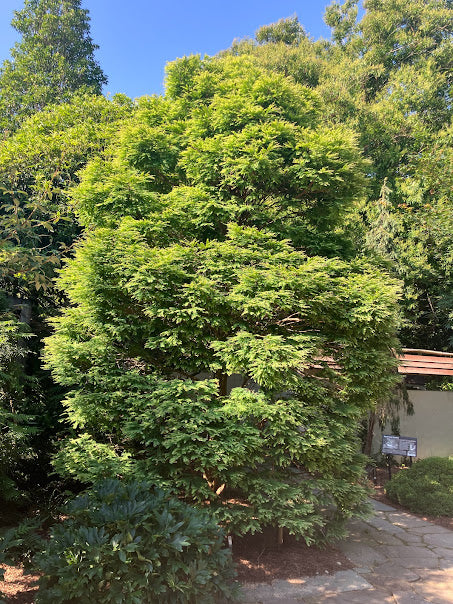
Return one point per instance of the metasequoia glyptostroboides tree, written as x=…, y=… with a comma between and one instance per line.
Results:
x=193, y=271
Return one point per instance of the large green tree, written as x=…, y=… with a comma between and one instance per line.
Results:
x=53, y=59
x=388, y=76
x=204, y=349
x=404, y=60
x=38, y=166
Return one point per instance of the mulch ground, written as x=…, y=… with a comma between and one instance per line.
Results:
x=259, y=562
x=258, y=558
x=17, y=587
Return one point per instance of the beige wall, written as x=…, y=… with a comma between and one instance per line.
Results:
x=431, y=424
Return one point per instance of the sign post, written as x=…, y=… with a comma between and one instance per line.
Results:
x=399, y=445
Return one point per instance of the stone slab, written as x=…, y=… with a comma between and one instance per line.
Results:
x=381, y=507
x=393, y=570
x=320, y=586
x=443, y=552
x=419, y=563
x=409, y=598
x=444, y=540
x=399, y=558
x=360, y=553
x=431, y=529
x=400, y=552
x=404, y=522
x=369, y=596
x=382, y=524
x=410, y=538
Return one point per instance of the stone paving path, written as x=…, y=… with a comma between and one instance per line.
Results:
x=398, y=558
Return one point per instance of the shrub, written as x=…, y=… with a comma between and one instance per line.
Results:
x=426, y=487
x=131, y=543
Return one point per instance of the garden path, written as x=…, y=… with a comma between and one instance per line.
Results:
x=398, y=558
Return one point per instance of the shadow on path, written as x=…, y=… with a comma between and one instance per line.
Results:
x=398, y=558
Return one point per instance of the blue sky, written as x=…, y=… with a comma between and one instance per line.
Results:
x=137, y=37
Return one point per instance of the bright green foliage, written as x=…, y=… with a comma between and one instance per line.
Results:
x=388, y=76
x=342, y=18
x=288, y=31
x=54, y=59
x=38, y=165
x=129, y=543
x=397, y=68
x=42, y=148
x=426, y=487
x=193, y=273
x=247, y=144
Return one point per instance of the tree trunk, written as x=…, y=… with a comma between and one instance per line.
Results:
x=222, y=377
x=370, y=433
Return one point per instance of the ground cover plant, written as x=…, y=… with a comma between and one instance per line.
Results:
x=425, y=488
x=193, y=272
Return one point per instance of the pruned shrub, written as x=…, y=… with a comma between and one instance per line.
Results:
x=130, y=543
x=426, y=487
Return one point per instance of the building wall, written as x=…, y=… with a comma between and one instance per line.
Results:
x=431, y=424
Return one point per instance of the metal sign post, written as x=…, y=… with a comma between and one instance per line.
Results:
x=399, y=445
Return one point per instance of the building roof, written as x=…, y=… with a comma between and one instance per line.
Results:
x=425, y=362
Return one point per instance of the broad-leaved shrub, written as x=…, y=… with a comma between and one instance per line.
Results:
x=130, y=543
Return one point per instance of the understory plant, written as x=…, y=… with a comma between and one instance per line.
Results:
x=131, y=543
x=426, y=487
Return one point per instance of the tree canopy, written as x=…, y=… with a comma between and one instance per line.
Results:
x=53, y=59
x=234, y=255
x=38, y=166
x=203, y=347
x=387, y=75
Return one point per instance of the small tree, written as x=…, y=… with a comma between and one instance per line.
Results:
x=205, y=349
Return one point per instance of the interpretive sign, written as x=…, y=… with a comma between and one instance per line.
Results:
x=399, y=445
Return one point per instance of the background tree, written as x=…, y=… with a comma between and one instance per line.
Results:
x=388, y=76
x=54, y=59
x=53, y=119
x=18, y=425
x=38, y=166
x=288, y=31
x=193, y=272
